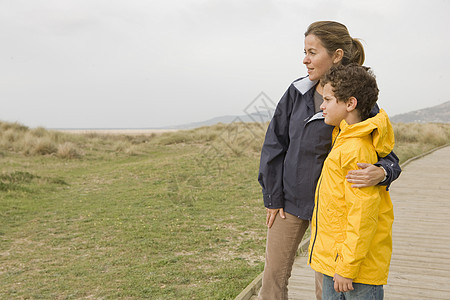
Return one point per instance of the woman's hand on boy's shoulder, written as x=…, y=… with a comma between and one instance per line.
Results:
x=342, y=284
x=367, y=175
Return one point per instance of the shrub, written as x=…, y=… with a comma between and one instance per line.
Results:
x=127, y=147
x=132, y=150
x=68, y=150
x=413, y=139
x=13, y=126
x=434, y=134
x=39, y=132
x=177, y=137
x=121, y=146
x=10, y=135
x=44, y=146
x=403, y=133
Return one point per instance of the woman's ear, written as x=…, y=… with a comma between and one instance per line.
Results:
x=338, y=55
x=351, y=104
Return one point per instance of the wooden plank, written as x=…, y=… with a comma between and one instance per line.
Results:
x=425, y=256
x=404, y=269
x=437, y=282
x=411, y=246
x=409, y=291
x=434, y=236
x=411, y=262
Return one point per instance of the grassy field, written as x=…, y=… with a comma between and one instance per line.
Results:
x=164, y=216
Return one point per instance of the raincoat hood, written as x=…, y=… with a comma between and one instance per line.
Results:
x=379, y=126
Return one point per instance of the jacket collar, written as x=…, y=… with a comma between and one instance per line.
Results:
x=317, y=116
x=304, y=84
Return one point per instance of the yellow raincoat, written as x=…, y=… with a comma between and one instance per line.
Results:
x=351, y=231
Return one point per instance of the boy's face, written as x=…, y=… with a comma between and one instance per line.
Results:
x=334, y=111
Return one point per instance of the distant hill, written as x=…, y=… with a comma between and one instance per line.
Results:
x=435, y=114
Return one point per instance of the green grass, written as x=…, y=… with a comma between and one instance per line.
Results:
x=172, y=216
x=158, y=225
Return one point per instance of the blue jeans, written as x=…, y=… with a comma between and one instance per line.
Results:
x=361, y=291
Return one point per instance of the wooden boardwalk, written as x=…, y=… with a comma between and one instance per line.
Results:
x=420, y=265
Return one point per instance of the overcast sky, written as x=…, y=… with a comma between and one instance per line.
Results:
x=144, y=64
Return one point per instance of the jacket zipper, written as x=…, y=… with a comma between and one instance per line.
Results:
x=317, y=205
x=315, y=233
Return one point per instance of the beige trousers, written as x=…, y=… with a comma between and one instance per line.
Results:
x=283, y=239
x=318, y=283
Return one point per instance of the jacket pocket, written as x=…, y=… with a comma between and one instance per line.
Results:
x=336, y=255
x=334, y=220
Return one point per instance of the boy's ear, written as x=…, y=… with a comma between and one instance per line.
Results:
x=351, y=104
x=338, y=55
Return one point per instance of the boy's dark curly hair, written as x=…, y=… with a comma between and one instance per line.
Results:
x=354, y=81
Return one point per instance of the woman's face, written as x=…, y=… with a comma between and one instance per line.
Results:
x=317, y=60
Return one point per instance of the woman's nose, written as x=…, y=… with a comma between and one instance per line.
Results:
x=306, y=60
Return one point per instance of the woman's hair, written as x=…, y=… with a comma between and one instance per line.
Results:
x=333, y=36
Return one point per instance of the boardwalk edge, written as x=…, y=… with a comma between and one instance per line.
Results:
x=422, y=155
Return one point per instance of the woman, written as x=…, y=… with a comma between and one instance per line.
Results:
x=296, y=144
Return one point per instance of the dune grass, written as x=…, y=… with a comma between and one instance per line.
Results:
x=412, y=139
x=171, y=216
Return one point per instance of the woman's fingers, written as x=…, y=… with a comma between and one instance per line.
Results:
x=272, y=214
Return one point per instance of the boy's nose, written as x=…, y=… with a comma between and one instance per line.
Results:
x=322, y=106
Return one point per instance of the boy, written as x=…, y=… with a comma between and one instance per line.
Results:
x=351, y=242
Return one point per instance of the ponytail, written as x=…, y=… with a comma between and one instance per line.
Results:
x=358, y=52
x=333, y=36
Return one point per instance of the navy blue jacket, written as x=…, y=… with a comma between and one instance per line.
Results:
x=296, y=144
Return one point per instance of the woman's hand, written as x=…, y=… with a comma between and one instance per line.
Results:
x=342, y=284
x=368, y=175
x=271, y=215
